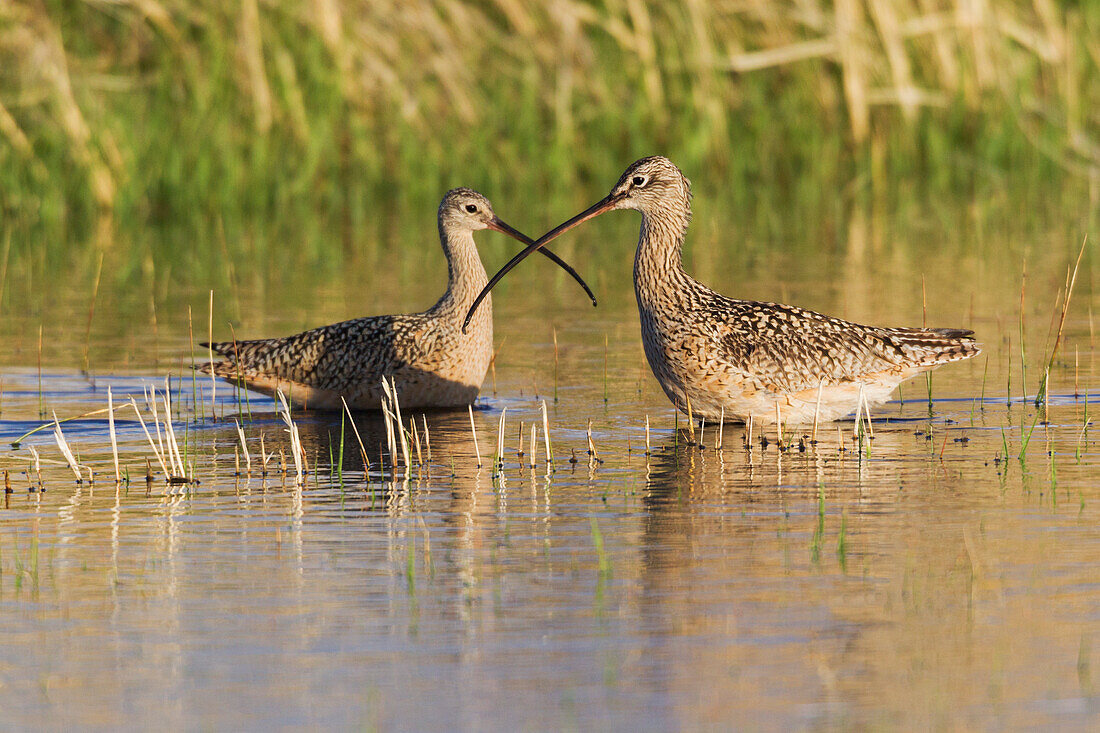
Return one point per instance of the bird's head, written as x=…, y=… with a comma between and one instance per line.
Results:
x=646, y=185
x=464, y=209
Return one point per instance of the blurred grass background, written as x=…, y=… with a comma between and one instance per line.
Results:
x=242, y=124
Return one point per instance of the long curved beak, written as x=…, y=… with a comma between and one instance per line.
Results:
x=498, y=224
x=605, y=204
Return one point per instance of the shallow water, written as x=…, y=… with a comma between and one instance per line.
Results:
x=919, y=579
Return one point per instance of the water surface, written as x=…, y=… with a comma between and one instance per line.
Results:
x=939, y=575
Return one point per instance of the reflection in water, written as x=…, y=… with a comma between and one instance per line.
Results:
x=938, y=576
x=740, y=553
x=738, y=580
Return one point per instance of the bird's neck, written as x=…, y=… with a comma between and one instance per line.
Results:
x=658, y=263
x=465, y=276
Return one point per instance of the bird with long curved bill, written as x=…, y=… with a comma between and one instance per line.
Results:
x=716, y=356
x=432, y=359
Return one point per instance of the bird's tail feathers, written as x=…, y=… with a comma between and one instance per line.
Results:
x=931, y=346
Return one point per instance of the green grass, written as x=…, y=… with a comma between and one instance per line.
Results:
x=217, y=123
x=603, y=561
x=842, y=543
x=819, y=529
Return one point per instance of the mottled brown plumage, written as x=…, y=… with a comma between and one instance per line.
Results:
x=432, y=362
x=744, y=358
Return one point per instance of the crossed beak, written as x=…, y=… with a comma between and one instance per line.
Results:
x=605, y=204
x=499, y=225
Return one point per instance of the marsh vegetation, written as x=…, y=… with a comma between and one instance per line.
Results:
x=887, y=162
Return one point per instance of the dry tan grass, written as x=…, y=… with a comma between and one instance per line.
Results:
x=860, y=61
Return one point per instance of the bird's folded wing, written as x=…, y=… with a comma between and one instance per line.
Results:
x=787, y=349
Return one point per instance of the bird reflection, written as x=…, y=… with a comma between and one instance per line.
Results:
x=694, y=492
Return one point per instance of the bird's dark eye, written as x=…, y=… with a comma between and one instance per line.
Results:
x=638, y=180
x=472, y=208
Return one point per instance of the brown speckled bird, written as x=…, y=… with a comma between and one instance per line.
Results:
x=743, y=358
x=433, y=363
